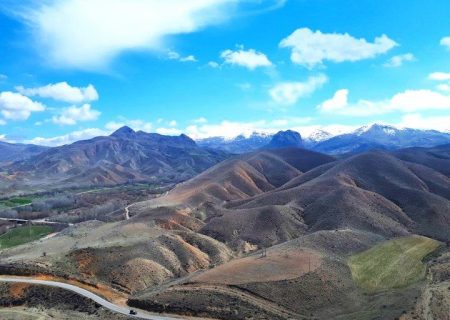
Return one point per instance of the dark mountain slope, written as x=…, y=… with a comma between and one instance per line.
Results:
x=125, y=155
x=285, y=139
x=437, y=158
x=10, y=152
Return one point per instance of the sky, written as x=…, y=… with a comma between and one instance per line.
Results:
x=74, y=69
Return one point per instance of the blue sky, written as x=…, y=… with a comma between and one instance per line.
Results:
x=74, y=69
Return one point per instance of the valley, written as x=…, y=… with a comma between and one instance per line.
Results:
x=277, y=233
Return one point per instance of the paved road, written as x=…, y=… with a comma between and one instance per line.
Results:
x=108, y=305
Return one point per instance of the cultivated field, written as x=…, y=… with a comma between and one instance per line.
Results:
x=392, y=264
x=24, y=234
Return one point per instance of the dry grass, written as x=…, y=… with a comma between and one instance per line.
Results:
x=277, y=265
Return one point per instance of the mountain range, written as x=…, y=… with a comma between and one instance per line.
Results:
x=376, y=136
x=283, y=193
x=127, y=155
x=123, y=156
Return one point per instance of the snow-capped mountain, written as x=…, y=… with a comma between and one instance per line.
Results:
x=374, y=136
x=239, y=144
x=380, y=136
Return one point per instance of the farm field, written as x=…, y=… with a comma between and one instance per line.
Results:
x=392, y=264
x=24, y=234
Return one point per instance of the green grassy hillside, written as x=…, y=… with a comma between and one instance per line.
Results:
x=392, y=264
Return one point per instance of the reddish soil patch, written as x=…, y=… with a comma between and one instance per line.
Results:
x=16, y=290
x=277, y=265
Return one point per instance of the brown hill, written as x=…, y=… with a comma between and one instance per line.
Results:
x=244, y=176
x=374, y=191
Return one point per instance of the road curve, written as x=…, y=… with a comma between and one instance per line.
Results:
x=89, y=295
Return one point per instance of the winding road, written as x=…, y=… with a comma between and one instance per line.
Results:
x=88, y=294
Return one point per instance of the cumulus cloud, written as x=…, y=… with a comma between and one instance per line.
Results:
x=288, y=93
x=68, y=138
x=250, y=59
x=89, y=34
x=445, y=42
x=397, y=61
x=15, y=106
x=169, y=131
x=337, y=102
x=62, y=91
x=73, y=115
x=418, y=121
x=407, y=101
x=173, y=55
x=443, y=87
x=313, y=48
x=231, y=129
x=200, y=120
x=213, y=64
x=439, y=76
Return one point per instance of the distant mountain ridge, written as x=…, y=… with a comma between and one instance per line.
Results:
x=10, y=152
x=383, y=137
x=239, y=144
x=125, y=155
x=375, y=136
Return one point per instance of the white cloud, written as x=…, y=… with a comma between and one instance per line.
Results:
x=407, y=101
x=250, y=59
x=200, y=120
x=169, y=131
x=439, y=76
x=135, y=124
x=173, y=55
x=310, y=48
x=443, y=87
x=2, y=122
x=68, y=138
x=72, y=115
x=16, y=106
x=62, y=91
x=288, y=93
x=397, y=61
x=213, y=64
x=337, y=102
x=416, y=120
x=189, y=58
x=173, y=123
x=445, y=42
x=231, y=129
x=89, y=34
